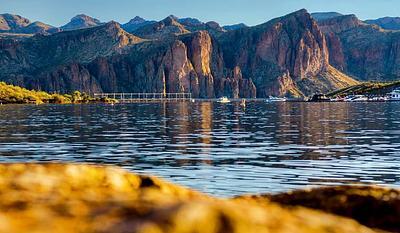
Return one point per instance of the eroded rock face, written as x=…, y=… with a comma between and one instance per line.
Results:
x=200, y=50
x=280, y=54
x=287, y=56
x=83, y=198
x=365, y=51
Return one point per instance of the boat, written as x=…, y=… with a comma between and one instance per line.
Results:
x=319, y=98
x=394, y=95
x=379, y=98
x=356, y=98
x=338, y=99
x=224, y=100
x=276, y=99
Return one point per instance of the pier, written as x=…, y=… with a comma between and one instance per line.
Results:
x=145, y=97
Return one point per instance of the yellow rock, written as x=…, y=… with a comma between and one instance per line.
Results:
x=85, y=198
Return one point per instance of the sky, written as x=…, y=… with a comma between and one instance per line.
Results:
x=251, y=12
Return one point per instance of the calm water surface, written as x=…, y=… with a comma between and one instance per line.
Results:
x=220, y=149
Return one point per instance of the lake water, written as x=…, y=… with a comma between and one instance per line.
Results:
x=221, y=149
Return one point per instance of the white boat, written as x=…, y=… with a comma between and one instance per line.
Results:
x=224, y=100
x=394, y=95
x=356, y=98
x=276, y=99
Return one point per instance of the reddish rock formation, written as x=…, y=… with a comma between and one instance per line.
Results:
x=287, y=56
x=365, y=51
x=281, y=55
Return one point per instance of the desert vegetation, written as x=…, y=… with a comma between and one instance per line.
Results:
x=10, y=94
x=366, y=88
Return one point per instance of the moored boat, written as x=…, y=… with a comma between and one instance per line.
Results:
x=224, y=100
x=276, y=99
x=319, y=98
x=394, y=95
x=356, y=98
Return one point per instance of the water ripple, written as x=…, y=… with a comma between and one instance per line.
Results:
x=220, y=149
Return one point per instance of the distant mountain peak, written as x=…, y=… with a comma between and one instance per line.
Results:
x=137, y=20
x=190, y=21
x=169, y=20
x=136, y=23
x=213, y=25
x=18, y=24
x=166, y=27
x=81, y=21
x=234, y=26
x=298, y=13
x=340, y=23
x=13, y=22
x=388, y=23
x=319, y=16
x=85, y=17
x=173, y=17
x=301, y=11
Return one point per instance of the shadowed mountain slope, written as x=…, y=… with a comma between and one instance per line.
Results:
x=365, y=51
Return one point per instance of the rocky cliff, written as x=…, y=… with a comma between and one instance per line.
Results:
x=287, y=56
x=54, y=62
x=364, y=51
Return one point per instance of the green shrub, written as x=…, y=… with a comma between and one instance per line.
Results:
x=10, y=94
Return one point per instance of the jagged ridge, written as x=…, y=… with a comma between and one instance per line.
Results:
x=286, y=56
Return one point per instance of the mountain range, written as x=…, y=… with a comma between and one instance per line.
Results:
x=296, y=55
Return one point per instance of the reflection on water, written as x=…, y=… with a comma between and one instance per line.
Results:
x=220, y=149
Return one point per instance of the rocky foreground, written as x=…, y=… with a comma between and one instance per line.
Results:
x=84, y=198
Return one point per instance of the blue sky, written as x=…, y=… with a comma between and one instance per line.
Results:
x=251, y=12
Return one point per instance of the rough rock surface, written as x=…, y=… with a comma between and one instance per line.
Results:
x=54, y=63
x=283, y=54
x=375, y=207
x=365, y=51
x=83, y=198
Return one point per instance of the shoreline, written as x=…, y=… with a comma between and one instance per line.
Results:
x=260, y=100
